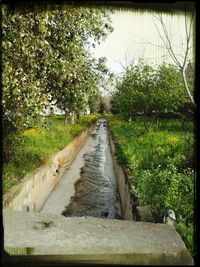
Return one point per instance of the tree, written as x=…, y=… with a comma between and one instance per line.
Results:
x=105, y=104
x=23, y=70
x=82, y=73
x=133, y=92
x=94, y=102
x=46, y=60
x=149, y=91
x=180, y=63
x=45, y=56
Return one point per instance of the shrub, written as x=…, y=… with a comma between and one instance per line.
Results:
x=187, y=233
x=158, y=168
x=149, y=91
x=166, y=188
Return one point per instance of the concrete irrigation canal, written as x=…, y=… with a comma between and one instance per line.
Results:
x=77, y=208
x=95, y=181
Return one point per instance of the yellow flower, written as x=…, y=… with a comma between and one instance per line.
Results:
x=30, y=132
x=173, y=139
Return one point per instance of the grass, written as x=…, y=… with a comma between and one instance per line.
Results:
x=168, y=145
x=160, y=166
x=37, y=144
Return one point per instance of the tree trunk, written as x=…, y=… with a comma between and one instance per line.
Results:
x=145, y=124
x=78, y=117
x=157, y=121
x=72, y=118
x=186, y=85
x=65, y=118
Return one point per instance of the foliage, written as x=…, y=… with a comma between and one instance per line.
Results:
x=165, y=188
x=105, y=105
x=187, y=234
x=38, y=143
x=149, y=91
x=158, y=169
x=94, y=102
x=46, y=60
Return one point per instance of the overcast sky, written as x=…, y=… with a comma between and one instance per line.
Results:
x=135, y=36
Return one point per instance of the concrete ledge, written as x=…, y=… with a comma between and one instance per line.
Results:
x=34, y=189
x=93, y=240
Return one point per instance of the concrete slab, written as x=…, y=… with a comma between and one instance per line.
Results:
x=93, y=240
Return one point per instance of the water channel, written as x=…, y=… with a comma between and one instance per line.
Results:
x=89, y=186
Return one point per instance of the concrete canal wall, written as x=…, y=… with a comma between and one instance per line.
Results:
x=34, y=189
x=127, y=199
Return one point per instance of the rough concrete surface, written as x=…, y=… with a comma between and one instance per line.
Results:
x=88, y=239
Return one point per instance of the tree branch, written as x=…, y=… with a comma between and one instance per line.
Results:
x=168, y=45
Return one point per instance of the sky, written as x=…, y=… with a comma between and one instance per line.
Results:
x=135, y=36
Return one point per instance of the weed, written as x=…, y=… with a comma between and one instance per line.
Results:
x=37, y=144
x=158, y=166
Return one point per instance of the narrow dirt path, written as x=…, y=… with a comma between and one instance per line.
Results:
x=89, y=186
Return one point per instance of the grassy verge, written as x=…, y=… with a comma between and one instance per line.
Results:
x=37, y=144
x=160, y=165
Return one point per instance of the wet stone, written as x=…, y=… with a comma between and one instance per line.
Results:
x=96, y=192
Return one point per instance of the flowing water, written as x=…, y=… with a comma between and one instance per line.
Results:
x=96, y=191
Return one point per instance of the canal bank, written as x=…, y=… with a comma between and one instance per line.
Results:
x=78, y=237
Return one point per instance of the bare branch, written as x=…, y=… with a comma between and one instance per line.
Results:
x=160, y=36
x=167, y=44
x=106, y=89
x=147, y=42
x=158, y=18
x=186, y=30
x=186, y=86
x=188, y=40
x=190, y=28
x=180, y=55
x=120, y=64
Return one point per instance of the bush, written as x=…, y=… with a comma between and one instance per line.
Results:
x=166, y=188
x=187, y=233
x=150, y=91
x=158, y=168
